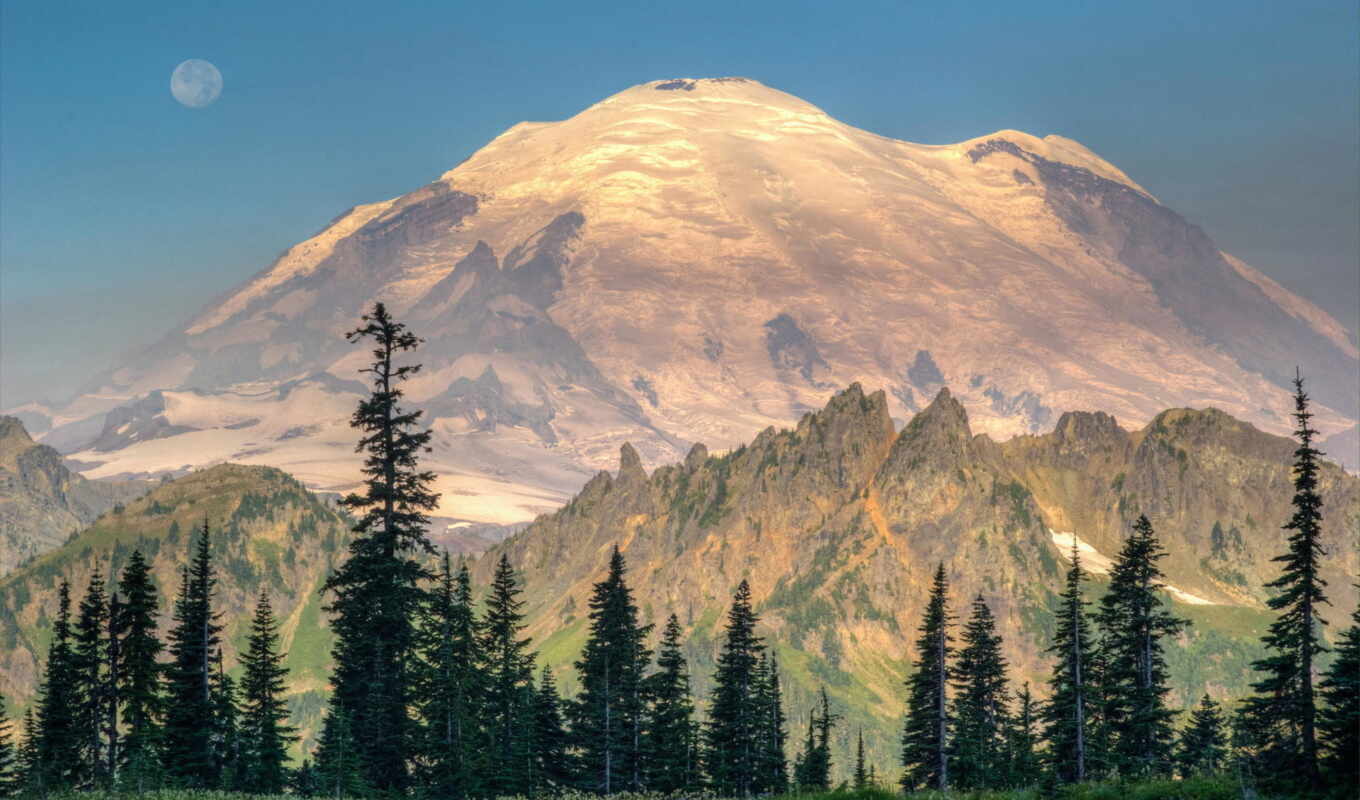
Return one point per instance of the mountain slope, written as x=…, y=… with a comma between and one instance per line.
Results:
x=42, y=503
x=695, y=261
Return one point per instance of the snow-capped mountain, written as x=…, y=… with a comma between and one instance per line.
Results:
x=693, y=261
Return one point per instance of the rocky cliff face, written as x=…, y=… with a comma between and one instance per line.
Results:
x=43, y=503
x=695, y=264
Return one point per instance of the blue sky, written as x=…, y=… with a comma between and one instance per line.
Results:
x=122, y=213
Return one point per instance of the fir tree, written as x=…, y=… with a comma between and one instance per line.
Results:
x=339, y=766
x=1064, y=716
x=980, y=715
x=551, y=762
x=670, y=739
x=113, y=671
x=139, y=676
x=265, y=734
x=1203, y=745
x=1339, y=718
x=772, y=774
x=1022, y=743
x=730, y=754
x=450, y=687
x=814, y=767
x=509, y=685
x=1282, y=713
x=376, y=594
x=225, y=738
x=60, y=741
x=606, y=719
x=303, y=781
x=27, y=763
x=925, y=737
x=1133, y=674
x=91, y=682
x=861, y=779
x=9, y=778
x=188, y=749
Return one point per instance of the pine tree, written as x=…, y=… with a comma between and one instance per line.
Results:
x=1282, y=712
x=1064, y=716
x=90, y=682
x=28, y=765
x=861, y=779
x=805, y=763
x=925, y=737
x=670, y=738
x=1339, y=718
x=509, y=685
x=1022, y=743
x=450, y=688
x=265, y=734
x=9, y=778
x=1203, y=745
x=139, y=676
x=730, y=754
x=772, y=772
x=303, y=781
x=376, y=594
x=980, y=697
x=113, y=671
x=339, y=766
x=189, y=723
x=814, y=769
x=225, y=738
x=1133, y=679
x=60, y=741
x=552, y=763
x=606, y=718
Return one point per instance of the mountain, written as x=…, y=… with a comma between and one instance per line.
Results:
x=42, y=503
x=694, y=261
x=839, y=523
x=267, y=531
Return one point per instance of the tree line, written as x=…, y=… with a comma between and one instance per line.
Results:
x=435, y=694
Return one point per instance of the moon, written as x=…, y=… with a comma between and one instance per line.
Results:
x=196, y=83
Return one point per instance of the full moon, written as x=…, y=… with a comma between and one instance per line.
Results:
x=196, y=83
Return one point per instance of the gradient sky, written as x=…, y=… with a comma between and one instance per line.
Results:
x=123, y=213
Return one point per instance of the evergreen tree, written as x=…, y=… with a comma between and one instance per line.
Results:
x=139, y=676
x=60, y=741
x=339, y=766
x=8, y=756
x=264, y=730
x=376, y=594
x=28, y=766
x=225, y=738
x=1024, y=769
x=606, y=719
x=551, y=762
x=1064, y=716
x=861, y=779
x=1282, y=713
x=925, y=737
x=509, y=686
x=1339, y=718
x=1203, y=745
x=1133, y=675
x=112, y=700
x=980, y=696
x=730, y=754
x=90, y=683
x=772, y=773
x=670, y=738
x=450, y=688
x=805, y=763
x=189, y=724
x=303, y=781
x=814, y=767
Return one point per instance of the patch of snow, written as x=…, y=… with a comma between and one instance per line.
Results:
x=1099, y=564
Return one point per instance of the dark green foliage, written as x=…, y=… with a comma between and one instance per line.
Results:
x=225, y=739
x=1203, y=746
x=9, y=777
x=264, y=731
x=188, y=749
x=376, y=594
x=670, y=737
x=926, y=734
x=1132, y=675
x=59, y=739
x=980, y=696
x=139, y=677
x=1064, y=715
x=91, y=684
x=339, y=766
x=772, y=774
x=1339, y=719
x=450, y=688
x=27, y=766
x=1280, y=718
x=607, y=717
x=1022, y=743
x=303, y=781
x=861, y=778
x=730, y=753
x=812, y=772
x=551, y=763
x=509, y=686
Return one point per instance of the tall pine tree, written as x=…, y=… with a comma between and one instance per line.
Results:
x=926, y=735
x=1022, y=743
x=60, y=741
x=376, y=594
x=607, y=716
x=91, y=682
x=730, y=751
x=1281, y=715
x=265, y=734
x=1339, y=719
x=225, y=739
x=1064, y=716
x=139, y=676
x=552, y=763
x=339, y=766
x=1202, y=749
x=670, y=740
x=772, y=773
x=9, y=777
x=1133, y=679
x=980, y=698
x=509, y=686
x=189, y=725
x=814, y=763
x=861, y=778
